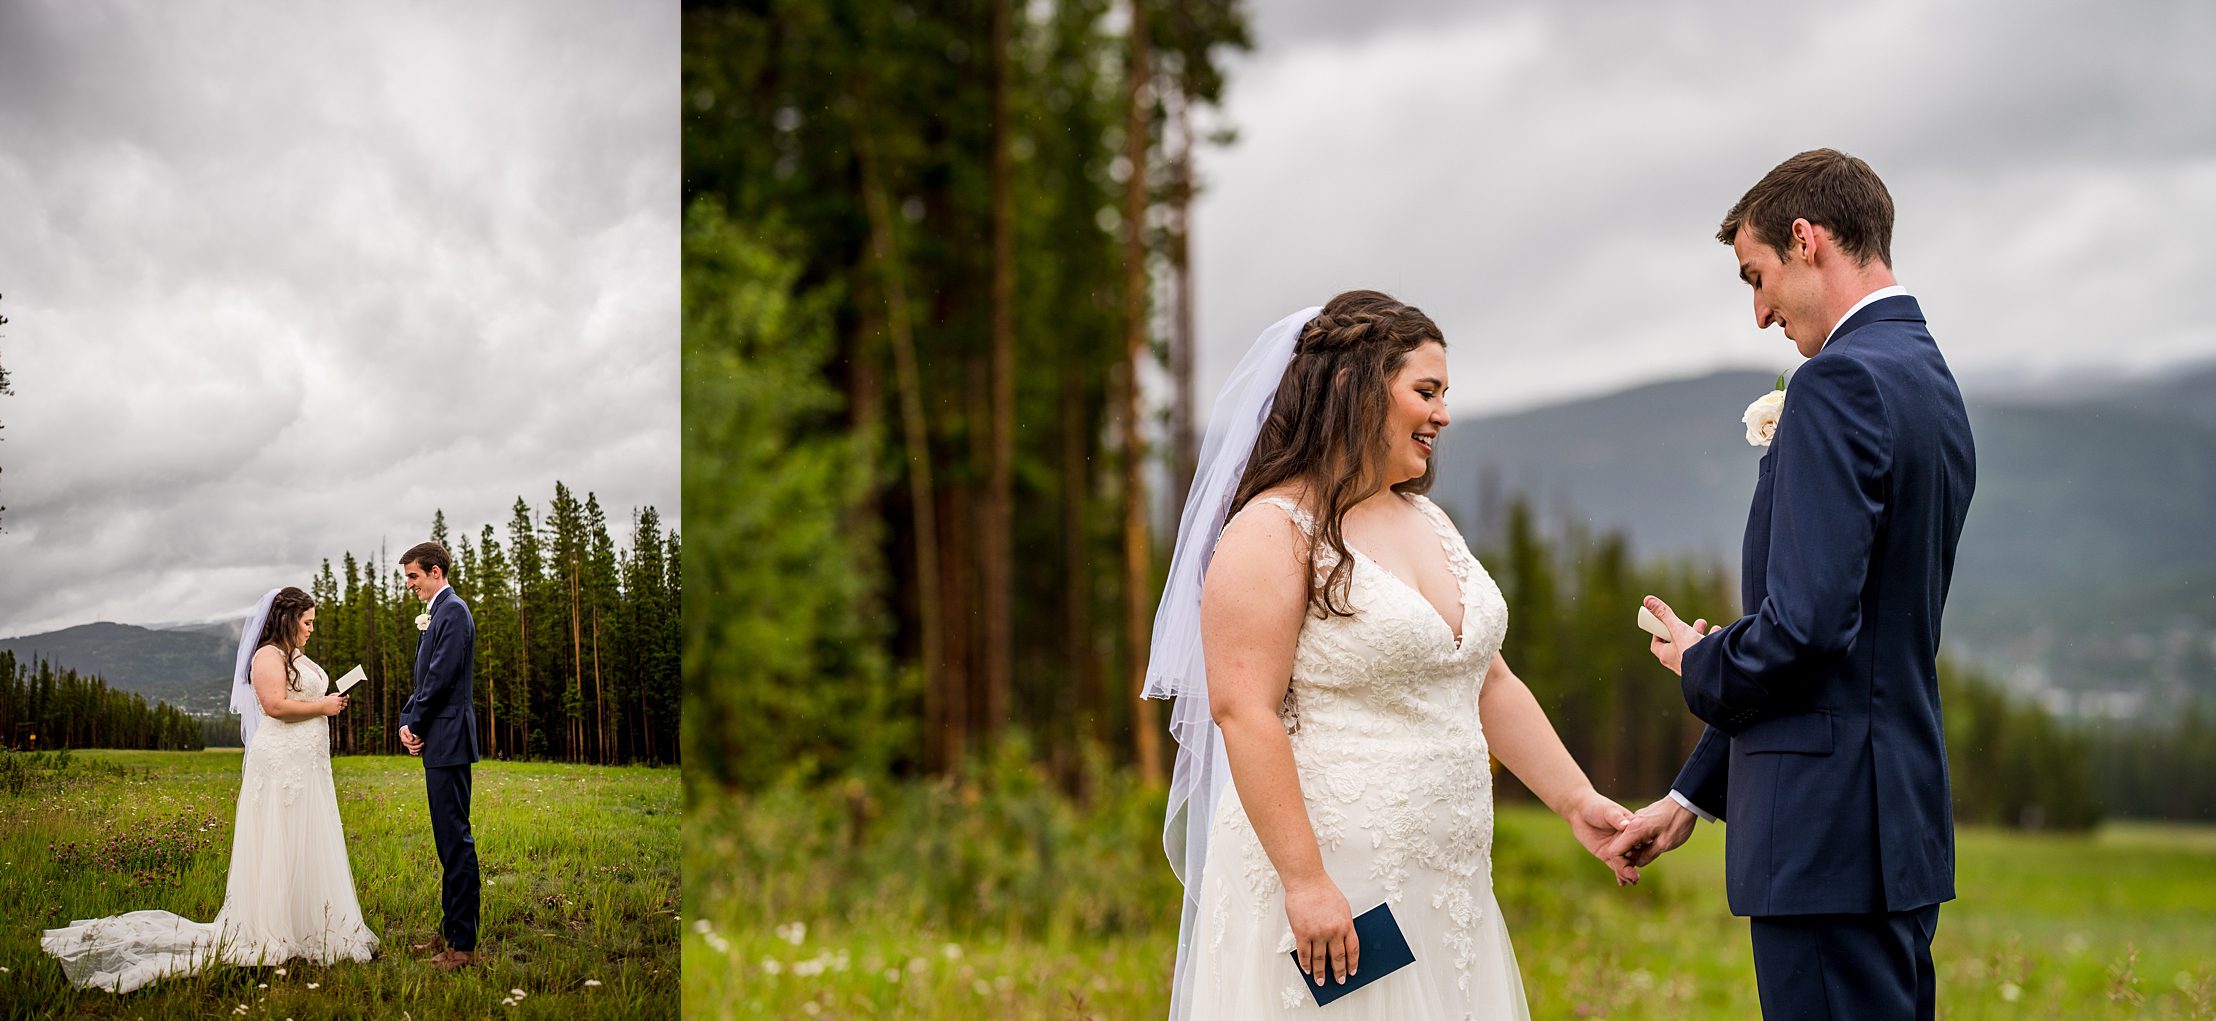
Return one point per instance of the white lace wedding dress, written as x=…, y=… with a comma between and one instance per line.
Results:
x=290, y=893
x=1382, y=713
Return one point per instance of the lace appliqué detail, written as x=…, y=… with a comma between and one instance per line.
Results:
x=285, y=752
x=1382, y=714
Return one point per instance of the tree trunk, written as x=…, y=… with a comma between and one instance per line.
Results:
x=958, y=597
x=492, y=714
x=1184, y=443
x=997, y=545
x=1086, y=714
x=1138, y=561
x=577, y=664
x=599, y=700
x=523, y=642
x=923, y=511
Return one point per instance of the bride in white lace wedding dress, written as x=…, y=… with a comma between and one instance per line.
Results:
x=290, y=892
x=1352, y=689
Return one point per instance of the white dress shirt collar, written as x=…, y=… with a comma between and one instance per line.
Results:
x=1895, y=291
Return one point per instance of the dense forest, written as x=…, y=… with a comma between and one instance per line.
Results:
x=939, y=409
x=933, y=253
x=577, y=638
x=42, y=707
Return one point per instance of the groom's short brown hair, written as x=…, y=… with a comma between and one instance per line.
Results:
x=428, y=555
x=1826, y=187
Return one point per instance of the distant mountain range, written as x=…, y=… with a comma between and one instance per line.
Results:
x=187, y=666
x=2087, y=574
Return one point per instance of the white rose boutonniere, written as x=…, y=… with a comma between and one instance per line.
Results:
x=1761, y=417
x=423, y=622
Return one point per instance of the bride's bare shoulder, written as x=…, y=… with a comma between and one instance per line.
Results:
x=1272, y=522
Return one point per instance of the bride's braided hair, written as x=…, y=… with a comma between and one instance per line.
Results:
x=1327, y=425
x=282, y=629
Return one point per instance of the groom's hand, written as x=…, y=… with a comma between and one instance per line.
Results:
x=1682, y=636
x=1601, y=824
x=413, y=743
x=1666, y=826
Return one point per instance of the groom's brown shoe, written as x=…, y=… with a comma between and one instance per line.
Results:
x=451, y=959
x=435, y=947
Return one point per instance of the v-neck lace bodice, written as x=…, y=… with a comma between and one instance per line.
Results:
x=1381, y=711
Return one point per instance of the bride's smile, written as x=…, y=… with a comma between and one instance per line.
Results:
x=1418, y=411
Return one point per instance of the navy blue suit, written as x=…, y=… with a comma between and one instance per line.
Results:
x=441, y=712
x=1824, y=750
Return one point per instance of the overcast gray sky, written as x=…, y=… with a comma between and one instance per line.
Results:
x=286, y=278
x=1545, y=179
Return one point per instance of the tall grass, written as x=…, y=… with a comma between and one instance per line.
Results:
x=580, y=868
x=1000, y=898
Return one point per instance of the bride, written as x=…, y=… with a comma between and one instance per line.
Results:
x=1351, y=688
x=290, y=892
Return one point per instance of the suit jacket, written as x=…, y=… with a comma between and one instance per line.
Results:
x=1824, y=749
x=440, y=709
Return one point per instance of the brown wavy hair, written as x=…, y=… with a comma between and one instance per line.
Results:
x=282, y=629
x=1327, y=425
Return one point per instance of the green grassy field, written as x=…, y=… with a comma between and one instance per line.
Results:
x=580, y=866
x=936, y=901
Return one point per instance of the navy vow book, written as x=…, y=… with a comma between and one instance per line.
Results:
x=1384, y=951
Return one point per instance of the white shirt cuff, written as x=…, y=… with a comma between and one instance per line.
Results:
x=1690, y=807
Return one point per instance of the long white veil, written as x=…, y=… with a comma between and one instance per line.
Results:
x=1175, y=667
x=242, y=683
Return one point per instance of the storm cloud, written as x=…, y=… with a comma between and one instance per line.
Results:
x=286, y=279
x=1545, y=179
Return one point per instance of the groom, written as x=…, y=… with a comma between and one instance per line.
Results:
x=1824, y=746
x=439, y=723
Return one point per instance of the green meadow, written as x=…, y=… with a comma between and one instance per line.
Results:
x=939, y=900
x=580, y=866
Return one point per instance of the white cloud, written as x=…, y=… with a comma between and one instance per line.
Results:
x=283, y=282
x=1544, y=179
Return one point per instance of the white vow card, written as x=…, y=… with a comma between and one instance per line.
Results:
x=1648, y=623
x=350, y=679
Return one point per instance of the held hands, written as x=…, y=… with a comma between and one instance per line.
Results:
x=1609, y=831
x=1323, y=930
x=1682, y=636
x=1666, y=825
x=408, y=738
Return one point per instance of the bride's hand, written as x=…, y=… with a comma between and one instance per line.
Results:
x=1598, y=823
x=332, y=704
x=1323, y=930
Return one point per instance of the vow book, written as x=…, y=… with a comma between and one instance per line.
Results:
x=1384, y=951
x=348, y=680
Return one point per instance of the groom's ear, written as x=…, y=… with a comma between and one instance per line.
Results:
x=1805, y=238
